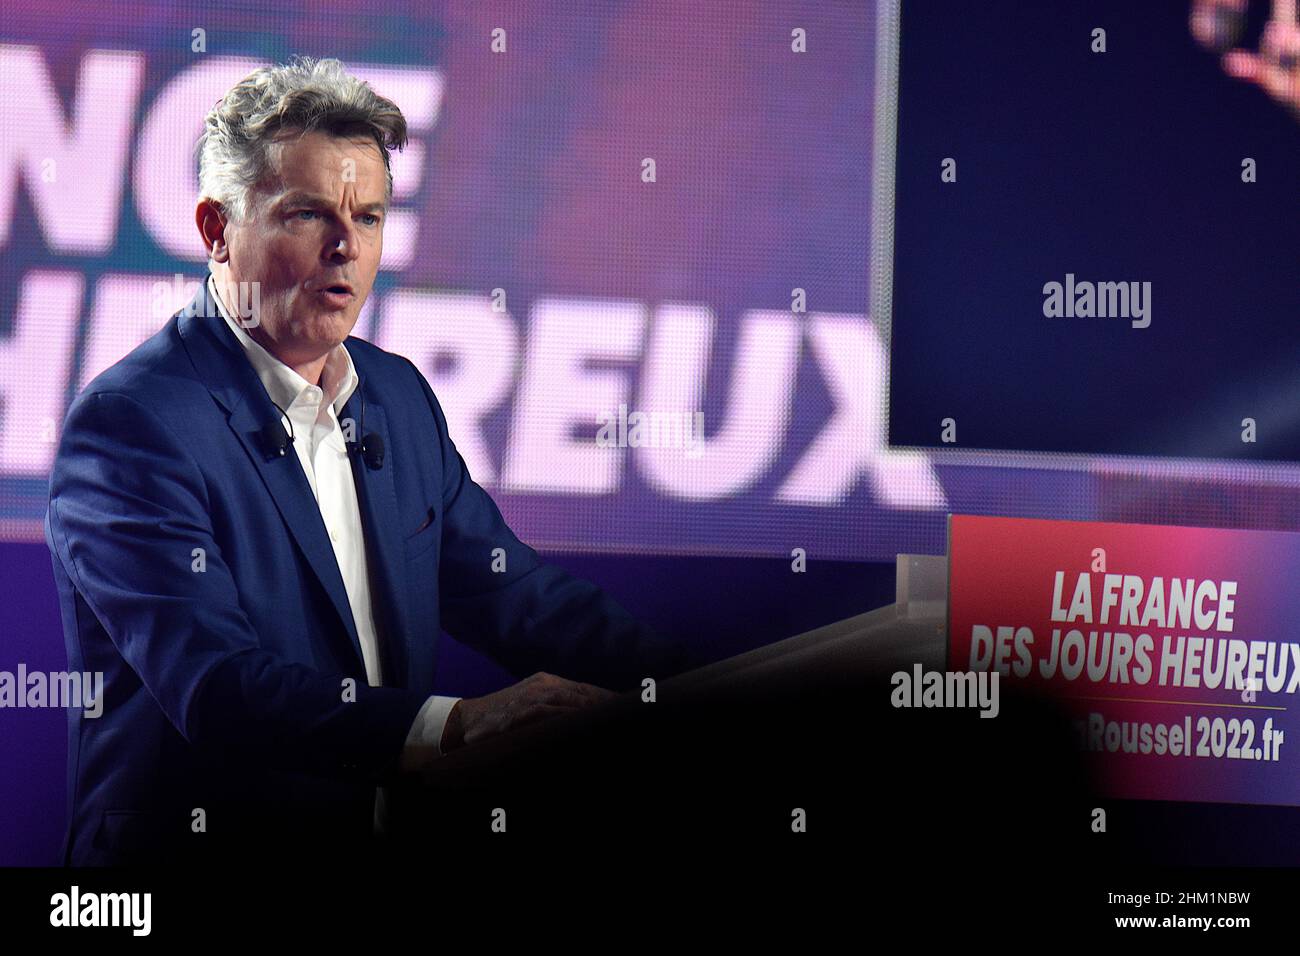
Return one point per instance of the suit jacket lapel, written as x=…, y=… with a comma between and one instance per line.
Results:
x=377, y=498
x=226, y=371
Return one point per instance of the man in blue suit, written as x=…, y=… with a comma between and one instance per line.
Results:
x=260, y=524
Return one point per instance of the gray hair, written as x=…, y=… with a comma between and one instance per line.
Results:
x=304, y=95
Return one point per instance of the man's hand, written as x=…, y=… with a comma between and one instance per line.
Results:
x=540, y=695
x=1218, y=24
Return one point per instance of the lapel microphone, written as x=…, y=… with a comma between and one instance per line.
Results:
x=275, y=443
x=371, y=446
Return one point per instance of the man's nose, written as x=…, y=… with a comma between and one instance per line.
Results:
x=342, y=245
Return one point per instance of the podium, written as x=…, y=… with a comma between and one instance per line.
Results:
x=911, y=630
x=802, y=722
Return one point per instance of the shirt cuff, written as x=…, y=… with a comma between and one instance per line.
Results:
x=424, y=740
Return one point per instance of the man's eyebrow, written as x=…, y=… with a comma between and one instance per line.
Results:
x=311, y=199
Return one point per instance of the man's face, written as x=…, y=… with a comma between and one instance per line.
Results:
x=311, y=238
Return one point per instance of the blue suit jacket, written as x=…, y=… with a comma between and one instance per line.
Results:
x=223, y=687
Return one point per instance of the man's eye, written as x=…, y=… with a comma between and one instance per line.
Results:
x=371, y=219
x=305, y=213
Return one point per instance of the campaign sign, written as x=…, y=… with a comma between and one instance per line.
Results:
x=1174, y=649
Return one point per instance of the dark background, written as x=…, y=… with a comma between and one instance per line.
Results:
x=1115, y=166
x=762, y=601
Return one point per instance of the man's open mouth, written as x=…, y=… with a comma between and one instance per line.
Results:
x=336, y=295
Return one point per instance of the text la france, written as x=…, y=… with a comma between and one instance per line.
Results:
x=1117, y=657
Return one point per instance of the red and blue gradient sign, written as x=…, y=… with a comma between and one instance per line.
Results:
x=1174, y=649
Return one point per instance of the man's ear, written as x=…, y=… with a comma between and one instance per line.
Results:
x=211, y=220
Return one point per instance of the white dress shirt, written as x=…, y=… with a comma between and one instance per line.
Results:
x=318, y=440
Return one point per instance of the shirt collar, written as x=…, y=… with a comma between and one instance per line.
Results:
x=339, y=379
